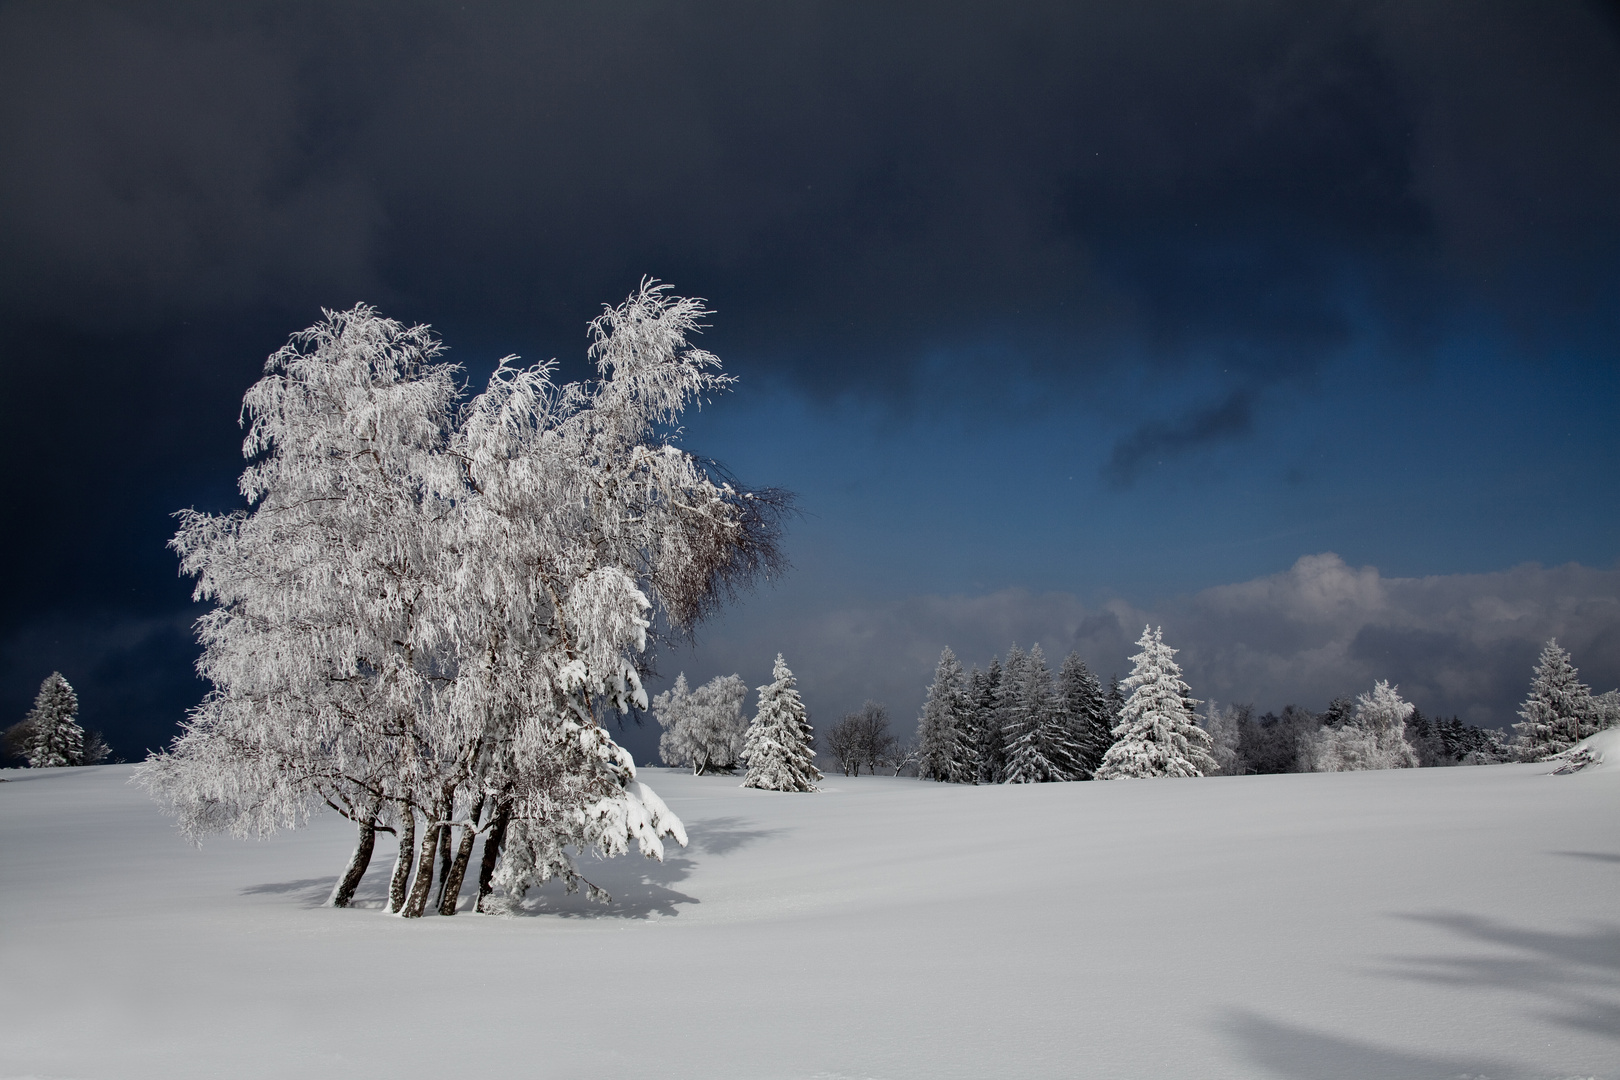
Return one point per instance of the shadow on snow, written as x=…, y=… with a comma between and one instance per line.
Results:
x=640, y=887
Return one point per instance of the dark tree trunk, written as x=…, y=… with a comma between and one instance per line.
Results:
x=444, y=861
x=458, y=869
x=343, y=892
x=402, y=864
x=416, y=903
x=492, y=852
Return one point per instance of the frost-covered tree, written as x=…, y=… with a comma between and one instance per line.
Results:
x=1373, y=738
x=703, y=728
x=1224, y=738
x=1156, y=735
x=1558, y=712
x=946, y=743
x=53, y=737
x=426, y=612
x=1040, y=737
x=1090, y=725
x=780, y=745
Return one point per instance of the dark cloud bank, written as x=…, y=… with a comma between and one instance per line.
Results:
x=1078, y=195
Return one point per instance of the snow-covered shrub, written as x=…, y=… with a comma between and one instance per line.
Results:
x=780, y=746
x=1156, y=734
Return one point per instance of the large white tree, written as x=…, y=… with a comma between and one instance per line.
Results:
x=428, y=611
x=1156, y=734
x=780, y=745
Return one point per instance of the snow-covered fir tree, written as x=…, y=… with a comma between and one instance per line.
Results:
x=53, y=735
x=780, y=746
x=1090, y=724
x=1558, y=712
x=985, y=698
x=427, y=610
x=947, y=746
x=1038, y=732
x=1156, y=735
x=703, y=728
x=1373, y=738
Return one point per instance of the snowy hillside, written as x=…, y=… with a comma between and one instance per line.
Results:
x=1403, y=924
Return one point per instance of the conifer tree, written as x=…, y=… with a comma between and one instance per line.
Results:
x=1156, y=736
x=54, y=735
x=780, y=746
x=1558, y=713
x=992, y=750
x=1040, y=742
x=945, y=736
x=1089, y=720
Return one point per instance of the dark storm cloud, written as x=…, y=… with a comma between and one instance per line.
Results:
x=1243, y=191
x=1157, y=438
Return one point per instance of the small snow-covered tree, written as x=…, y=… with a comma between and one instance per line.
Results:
x=946, y=747
x=780, y=745
x=703, y=728
x=985, y=692
x=1606, y=709
x=53, y=735
x=1558, y=712
x=1373, y=738
x=1156, y=735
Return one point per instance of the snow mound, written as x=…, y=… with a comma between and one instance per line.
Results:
x=1589, y=753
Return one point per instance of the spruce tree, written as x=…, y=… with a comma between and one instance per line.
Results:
x=987, y=724
x=1156, y=735
x=1089, y=720
x=780, y=746
x=1040, y=745
x=1558, y=713
x=945, y=737
x=54, y=735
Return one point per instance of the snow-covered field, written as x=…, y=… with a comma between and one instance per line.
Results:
x=1404, y=924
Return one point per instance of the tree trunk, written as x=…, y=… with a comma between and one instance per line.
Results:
x=444, y=861
x=343, y=891
x=416, y=903
x=492, y=852
x=458, y=869
x=402, y=864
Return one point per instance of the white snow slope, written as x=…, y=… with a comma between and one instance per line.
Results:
x=1407, y=924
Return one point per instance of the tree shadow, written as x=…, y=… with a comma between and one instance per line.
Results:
x=721, y=836
x=641, y=888
x=1595, y=856
x=1302, y=1054
x=1576, y=975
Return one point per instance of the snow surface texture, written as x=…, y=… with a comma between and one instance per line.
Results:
x=1411, y=924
